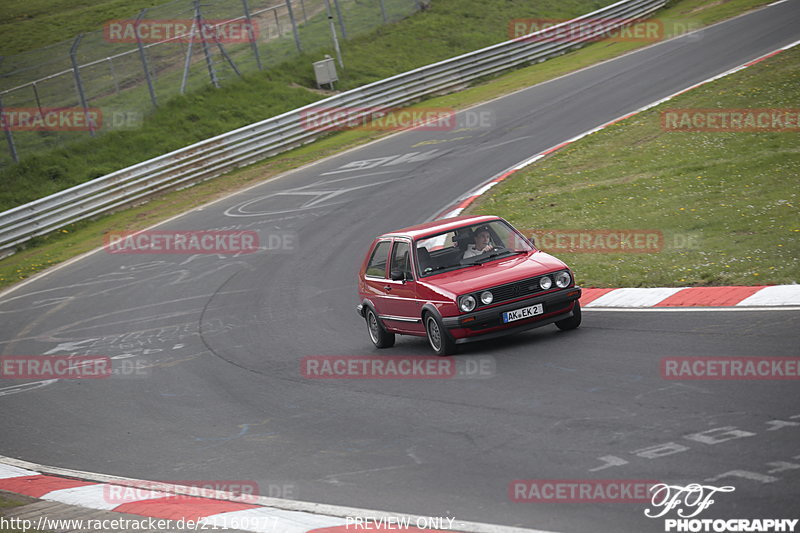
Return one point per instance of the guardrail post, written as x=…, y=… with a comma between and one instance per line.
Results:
x=77, y=73
x=251, y=34
x=9, y=136
x=294, y=26
x=143, y=56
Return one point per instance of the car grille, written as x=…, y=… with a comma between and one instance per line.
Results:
x=514, y=290
x=495, y=320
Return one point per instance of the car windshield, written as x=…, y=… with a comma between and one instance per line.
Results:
x=468, y=246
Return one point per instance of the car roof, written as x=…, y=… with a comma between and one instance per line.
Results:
x=439, y=226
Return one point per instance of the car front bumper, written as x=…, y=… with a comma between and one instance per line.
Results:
x=488, y=323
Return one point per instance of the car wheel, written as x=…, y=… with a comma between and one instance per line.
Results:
x=572, y=322
x=380, y=337
x=441, y=343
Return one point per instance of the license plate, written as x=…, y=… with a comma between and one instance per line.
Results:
x=525, y=312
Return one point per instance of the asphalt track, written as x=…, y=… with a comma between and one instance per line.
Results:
x=218, y=340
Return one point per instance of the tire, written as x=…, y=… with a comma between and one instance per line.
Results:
x=572, y=322
x=379, y=336
x=440, y=341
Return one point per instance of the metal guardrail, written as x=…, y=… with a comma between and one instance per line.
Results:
x=215, y=156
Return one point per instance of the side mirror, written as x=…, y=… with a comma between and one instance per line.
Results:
x=397, y=275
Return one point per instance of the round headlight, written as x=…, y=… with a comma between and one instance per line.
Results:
x=487, y=297
x=467, y=303
x=545, y=283
x=563, y=279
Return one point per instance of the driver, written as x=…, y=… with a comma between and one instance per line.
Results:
x=481, y=244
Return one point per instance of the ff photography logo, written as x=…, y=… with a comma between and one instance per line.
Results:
x=692, y=500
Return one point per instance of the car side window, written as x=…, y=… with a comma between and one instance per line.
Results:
x=401, y=261
x=377, y=262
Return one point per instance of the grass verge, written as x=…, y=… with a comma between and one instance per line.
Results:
x=9, y=501
x=74, y=240
x=725, y=202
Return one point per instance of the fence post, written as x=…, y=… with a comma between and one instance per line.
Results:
x=251, y=34
x=209, y=63
x=341, y=20
x=188, y=61
x=303, y=6
x=294, y=26
x=383, y=11
x=36, y=96
x=77, y=73
x=9, y=135
x=333, y=33
x=143, y=56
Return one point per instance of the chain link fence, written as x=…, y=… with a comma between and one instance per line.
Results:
x=110, y=79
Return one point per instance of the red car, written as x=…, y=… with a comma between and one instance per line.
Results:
x=462, y=279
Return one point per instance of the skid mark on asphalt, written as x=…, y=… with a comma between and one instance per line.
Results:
x=390, y=160
x=333, y=479
x=244, y=432
x=304, y=199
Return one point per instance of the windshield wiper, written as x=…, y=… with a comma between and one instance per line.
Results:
x=495, y=254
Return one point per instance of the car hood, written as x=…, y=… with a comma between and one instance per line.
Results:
x=493, y=273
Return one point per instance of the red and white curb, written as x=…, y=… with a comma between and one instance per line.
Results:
x=764, y=296
x=260, y=514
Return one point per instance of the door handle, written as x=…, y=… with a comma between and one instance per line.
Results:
x=388, y=288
